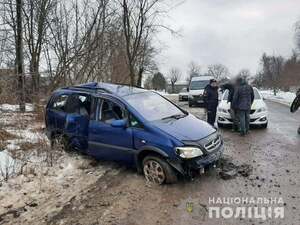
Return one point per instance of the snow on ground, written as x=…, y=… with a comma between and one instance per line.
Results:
x=281, y=97
x=15, y=108
x=37, y=174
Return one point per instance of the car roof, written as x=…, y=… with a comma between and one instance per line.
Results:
x=120, y=90
x=202, y=78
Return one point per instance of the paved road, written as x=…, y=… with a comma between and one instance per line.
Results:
x=273, y=153
x=125, y=198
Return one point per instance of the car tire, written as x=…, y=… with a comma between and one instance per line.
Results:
x=190, y=104
x=299, y=130
x=157, y=170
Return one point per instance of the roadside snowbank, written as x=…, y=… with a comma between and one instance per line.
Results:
x=15, y=108
x=281, y=97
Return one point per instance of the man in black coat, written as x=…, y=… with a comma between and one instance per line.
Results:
x=243, y=99
x=211, y=101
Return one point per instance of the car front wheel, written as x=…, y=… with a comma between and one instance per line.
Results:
x=157, y=170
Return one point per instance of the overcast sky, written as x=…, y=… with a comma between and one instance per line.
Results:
x=232, y=32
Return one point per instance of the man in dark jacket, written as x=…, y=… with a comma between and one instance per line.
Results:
x=231, y=86
x=243, y=99
x=211, y=101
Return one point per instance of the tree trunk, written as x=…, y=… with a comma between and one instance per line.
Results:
x=19, y=57
x=140, y=77
x=132, y=76
x=34, y=70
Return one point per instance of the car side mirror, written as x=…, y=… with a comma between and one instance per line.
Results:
x=119, y=123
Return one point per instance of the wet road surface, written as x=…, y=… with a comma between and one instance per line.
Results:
x=125, y=198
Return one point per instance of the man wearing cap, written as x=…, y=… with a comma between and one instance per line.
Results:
x=211, y=101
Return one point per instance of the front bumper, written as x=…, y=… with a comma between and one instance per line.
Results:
x=196, y=99
x=255, y=119
x=203, y=161
x=183, y=97
x=187, y=166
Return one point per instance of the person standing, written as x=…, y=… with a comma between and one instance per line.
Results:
x=243, y=99
x=231, y=86
x=211, y=101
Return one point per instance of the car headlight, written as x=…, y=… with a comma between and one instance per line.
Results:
x=223, y=110
x=188, y=152
x=263, y=109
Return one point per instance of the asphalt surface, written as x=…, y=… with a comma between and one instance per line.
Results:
x=273, y=153
x=124, y=198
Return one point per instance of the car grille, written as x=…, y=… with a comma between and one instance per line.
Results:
x=214, y=144
x=198, y=96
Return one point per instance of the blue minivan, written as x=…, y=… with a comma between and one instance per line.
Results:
x=133, y=126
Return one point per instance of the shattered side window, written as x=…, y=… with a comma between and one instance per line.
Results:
x=60, y=102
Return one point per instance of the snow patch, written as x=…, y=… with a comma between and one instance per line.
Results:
x=281, y=97
x=15, y=108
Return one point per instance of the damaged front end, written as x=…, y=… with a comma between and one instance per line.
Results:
x=191, y=161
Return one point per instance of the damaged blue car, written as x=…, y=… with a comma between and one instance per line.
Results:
x=133, y=126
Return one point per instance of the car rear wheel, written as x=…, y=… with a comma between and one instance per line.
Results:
x=157, y=170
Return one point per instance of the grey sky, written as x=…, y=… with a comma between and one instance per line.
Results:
x=232, y=32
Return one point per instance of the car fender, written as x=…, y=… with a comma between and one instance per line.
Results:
x=151, y=149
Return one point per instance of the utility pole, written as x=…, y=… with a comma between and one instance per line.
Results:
x=19, y=57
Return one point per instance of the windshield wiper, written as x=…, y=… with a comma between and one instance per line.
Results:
x=176, y=116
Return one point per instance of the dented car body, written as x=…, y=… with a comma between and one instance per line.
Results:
x=133, y=126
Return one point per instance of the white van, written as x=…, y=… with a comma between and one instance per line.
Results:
x=196, y=89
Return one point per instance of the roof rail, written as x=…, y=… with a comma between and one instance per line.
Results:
x=88, y=86
x=128, y=85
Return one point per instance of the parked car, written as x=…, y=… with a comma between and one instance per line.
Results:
x=133, y=126
x=183, y=95
x=196, y=90
x=258, y=113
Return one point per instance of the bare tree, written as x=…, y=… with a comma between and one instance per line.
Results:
x=218, y=71
x=36, y=14
x=194, y=70
x=141, y=20
x=174, y=76
x=272, y=67
x=19, y=55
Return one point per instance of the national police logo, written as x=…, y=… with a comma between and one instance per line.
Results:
x=189, y=207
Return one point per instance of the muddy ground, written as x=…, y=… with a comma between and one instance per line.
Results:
x=106, y=193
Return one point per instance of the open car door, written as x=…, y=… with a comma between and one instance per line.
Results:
x=76, y=129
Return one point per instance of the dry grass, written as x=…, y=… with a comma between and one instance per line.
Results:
x=28, y=146
x=5, y=135
x=39, y=115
